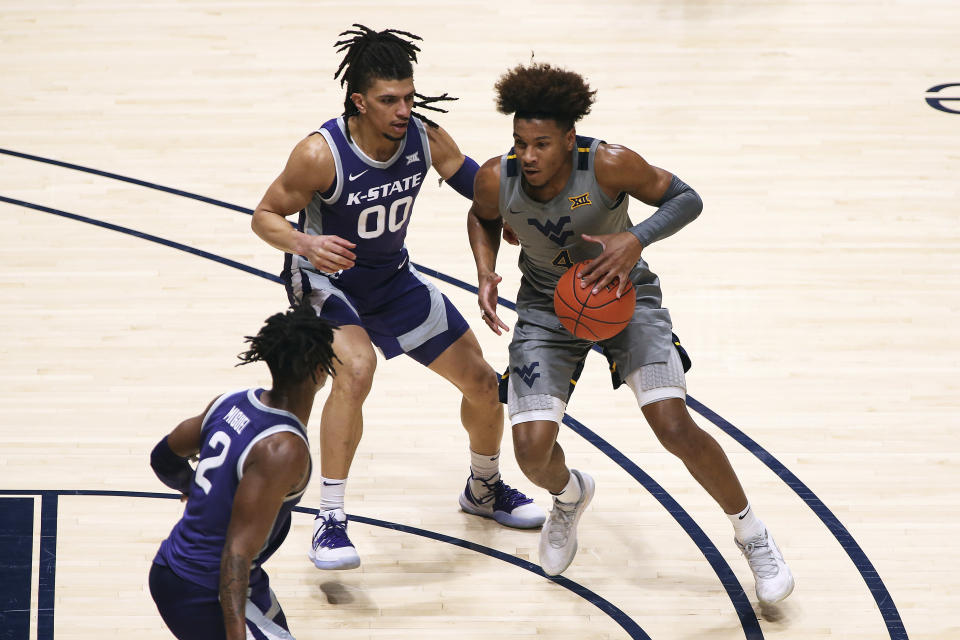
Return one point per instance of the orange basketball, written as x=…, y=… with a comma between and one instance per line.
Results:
x=588, y=315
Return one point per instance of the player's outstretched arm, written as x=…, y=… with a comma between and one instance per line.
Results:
x=310, y=168
x=457, y=169
x=275, y=467
x=483, y=228
x=620, y=170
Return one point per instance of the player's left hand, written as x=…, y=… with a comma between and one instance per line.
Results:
x=620, y=253
x=487, y=297
x=509, y=235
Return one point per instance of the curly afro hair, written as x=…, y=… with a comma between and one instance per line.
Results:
x=545, y=92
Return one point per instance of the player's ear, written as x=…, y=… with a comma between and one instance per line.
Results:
x=570, y=138
x=359, y=102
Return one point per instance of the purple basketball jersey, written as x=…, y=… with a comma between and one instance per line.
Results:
x=234, y=423
x=369, y=204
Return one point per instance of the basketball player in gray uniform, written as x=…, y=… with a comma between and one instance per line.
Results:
x=564, y=198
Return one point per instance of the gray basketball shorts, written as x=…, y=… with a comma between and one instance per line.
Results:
x=545, y=357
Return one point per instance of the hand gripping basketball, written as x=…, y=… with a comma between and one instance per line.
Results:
x=592, y=316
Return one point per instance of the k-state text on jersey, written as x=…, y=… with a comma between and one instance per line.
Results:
x=384, y=190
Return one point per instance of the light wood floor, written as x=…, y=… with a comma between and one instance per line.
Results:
x=818, y=295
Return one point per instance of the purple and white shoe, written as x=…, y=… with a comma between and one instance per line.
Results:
x=502, y=503
x=331, y=548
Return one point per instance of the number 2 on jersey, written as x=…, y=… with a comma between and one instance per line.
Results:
x=218, y=438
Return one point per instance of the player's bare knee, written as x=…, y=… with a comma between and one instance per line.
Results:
x=678, y=434
x=355, y=375
x=533, y=446
x=482, y=386
x=532, y=456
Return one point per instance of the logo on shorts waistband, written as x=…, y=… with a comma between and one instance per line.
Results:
x=527, y=374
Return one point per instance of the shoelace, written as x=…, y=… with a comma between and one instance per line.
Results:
x=559, y=524
x=761, y=558
x=332, y=534
x=505, y=497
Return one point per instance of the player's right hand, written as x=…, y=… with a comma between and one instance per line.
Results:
x=488, y=303
x=329, y=254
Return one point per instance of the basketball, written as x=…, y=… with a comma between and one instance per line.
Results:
x=588, y=315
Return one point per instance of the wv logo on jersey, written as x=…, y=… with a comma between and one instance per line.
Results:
x=579, y=201
x=527, y=374
x=553, y=230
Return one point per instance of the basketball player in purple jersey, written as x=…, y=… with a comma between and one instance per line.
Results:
x=207, y=579
x=566, y=198
x=353, y=182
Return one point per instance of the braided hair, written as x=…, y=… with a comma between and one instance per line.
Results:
x=294, y=344
x=386, y=55
x=542, y=91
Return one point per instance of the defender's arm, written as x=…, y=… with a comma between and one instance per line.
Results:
x=310, y=168
x=457, y=169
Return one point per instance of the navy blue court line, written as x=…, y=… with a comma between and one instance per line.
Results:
x=49, y=528
x=145, y=236
x=748, y=620
x=595, y=599
x=873, y=581
x=879, y=591
x=46, y=591
x=116, y=176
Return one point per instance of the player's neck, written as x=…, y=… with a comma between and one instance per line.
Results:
x=298, y=400
x=552, y=188
x=371, y=142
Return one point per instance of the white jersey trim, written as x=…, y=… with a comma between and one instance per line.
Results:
x=255, y=401
x=424, y=142
x=266, y=433
x=213, y=407
x=336, y=159
x=376, y=164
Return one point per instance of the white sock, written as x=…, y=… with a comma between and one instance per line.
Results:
x=746, y=524
x=483, y=467
x=331, y=493
x=570, y=493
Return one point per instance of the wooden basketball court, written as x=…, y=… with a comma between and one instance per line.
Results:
x=818, y=294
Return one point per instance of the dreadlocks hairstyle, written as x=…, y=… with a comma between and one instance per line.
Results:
x=294, y=344
x=372, y=55
x=545, y=92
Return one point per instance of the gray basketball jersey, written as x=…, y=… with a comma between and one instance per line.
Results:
x=550, y=232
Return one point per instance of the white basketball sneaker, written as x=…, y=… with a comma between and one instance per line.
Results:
x=503, y=503
x=331, y=548
x=558, y=538
x=773, y=576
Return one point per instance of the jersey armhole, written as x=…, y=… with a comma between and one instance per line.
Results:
x=609, y=203
x=215, y=405
x=279, y=428
x=332, y=194
x=424, y=142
